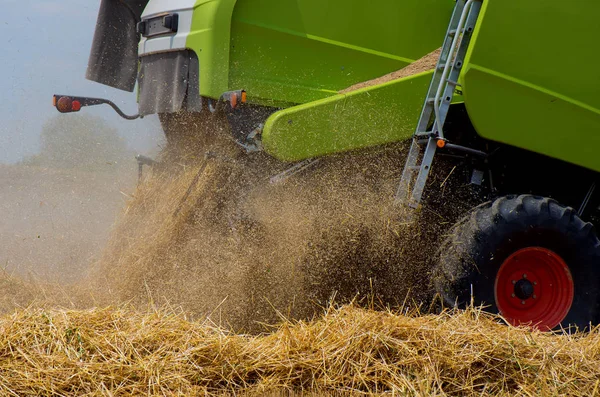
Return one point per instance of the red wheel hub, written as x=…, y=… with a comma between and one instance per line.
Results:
x=534, y=287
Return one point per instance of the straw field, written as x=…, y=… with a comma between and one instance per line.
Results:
x=353, y=351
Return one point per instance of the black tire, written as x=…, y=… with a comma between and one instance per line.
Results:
x=478, y=245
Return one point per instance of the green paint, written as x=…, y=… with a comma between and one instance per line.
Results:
x=530, y=78
x=304, y=50
x=210, y=39
x=286, y=52
x=367, y=117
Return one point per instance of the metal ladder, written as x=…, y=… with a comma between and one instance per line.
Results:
x=429, y=132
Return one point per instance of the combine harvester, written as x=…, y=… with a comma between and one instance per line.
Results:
x=507, y=118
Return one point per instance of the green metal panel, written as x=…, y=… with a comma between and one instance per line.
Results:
x=210, y=39
x=296, y=51
x=285, y=52
x=531, y=77
x=367, y=117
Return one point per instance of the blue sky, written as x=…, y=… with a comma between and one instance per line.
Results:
x=45, y=46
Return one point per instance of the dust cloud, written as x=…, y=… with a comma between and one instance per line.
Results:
x=209, y=232
x=57, y=208
x=55, y=222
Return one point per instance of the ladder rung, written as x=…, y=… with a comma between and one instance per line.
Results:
x=452, y=82
x=452, y=32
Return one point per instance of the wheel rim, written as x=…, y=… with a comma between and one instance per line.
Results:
x=534, y=287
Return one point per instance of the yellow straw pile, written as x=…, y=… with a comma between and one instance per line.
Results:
x=349, y=351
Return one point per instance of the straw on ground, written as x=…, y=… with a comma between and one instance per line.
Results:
x=123, y=352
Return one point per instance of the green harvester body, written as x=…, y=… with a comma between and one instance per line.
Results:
x=528, y=81
x=292, y=52
x=297, y=55
x=530, y=78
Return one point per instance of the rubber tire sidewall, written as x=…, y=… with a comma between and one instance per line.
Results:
x=480, y=243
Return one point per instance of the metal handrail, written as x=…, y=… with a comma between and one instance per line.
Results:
x=447, y=70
